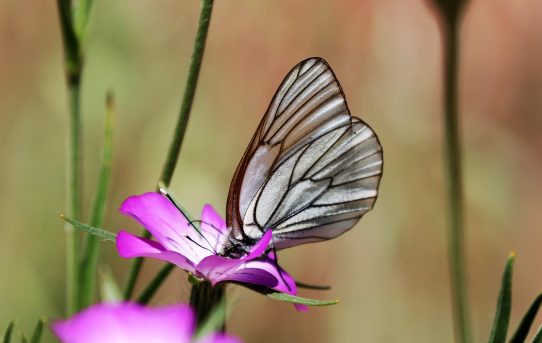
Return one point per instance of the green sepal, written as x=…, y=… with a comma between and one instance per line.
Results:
x=194, y=280
x=101, y=233
x=504, y=304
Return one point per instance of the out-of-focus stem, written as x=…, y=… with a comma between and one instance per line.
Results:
x=452, y=145
x=73, y=69
x=178, y=134
x=153, y=286
x=204, y=298
x=74, y=197
x=89, y=258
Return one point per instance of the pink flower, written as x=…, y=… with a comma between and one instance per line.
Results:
x=198, y=252
x=133, y=323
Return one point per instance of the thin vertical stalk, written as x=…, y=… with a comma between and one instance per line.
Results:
x=73, y=69
x=74, y=197
x=454, y=181
x=180, y=129
x=153, y=286
x=91, y=249
x=204, y=298
x=189, y=92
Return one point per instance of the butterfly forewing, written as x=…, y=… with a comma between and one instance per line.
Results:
x=311, y=170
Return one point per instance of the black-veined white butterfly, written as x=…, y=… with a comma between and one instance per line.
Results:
x=311, y=170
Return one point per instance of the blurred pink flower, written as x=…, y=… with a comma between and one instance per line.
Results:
x=198, y=251
x=133, y=323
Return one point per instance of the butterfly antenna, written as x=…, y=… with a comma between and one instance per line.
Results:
x=164, y=191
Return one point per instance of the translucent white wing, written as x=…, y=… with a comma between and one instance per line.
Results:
x=311, y=170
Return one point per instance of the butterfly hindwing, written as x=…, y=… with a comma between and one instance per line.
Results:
x=311, y=170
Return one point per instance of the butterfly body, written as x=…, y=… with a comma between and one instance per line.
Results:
x=310, y=171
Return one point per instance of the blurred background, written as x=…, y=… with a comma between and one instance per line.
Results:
x=391, y=271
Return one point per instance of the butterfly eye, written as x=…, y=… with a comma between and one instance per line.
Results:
x=311, y=170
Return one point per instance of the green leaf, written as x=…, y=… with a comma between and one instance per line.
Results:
x=36, y=335
x=100, y=233
x=215, y=321
x=299, y=300
x=87, y=278
x=23, y=338
x=504, y=304
x=538, y=337
x=9, y=332
x=525, y=325
x=109, y=290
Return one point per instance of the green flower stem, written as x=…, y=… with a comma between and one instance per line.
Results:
x=189, y=92
x=89, y=258
x=452, y=146
x=180, y=129
x=73, y=69
x=133, y=273
x=74, y=196
x=153, y=286
x=204, y=298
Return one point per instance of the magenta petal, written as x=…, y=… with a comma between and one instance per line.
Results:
x=209, y=217
x=130, y=246
x=215, y=267
x=161, y=218
x=301, y=307
x=251, y=276
x=127, y=323
x=211, y=236
x=285, y=283
x=259, y=248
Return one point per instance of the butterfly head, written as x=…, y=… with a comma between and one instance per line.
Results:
x=234, y=248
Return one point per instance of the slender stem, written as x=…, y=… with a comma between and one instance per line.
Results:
x=133, y=273
x=153, y=286
x=74, y=196
x=73, y=69
x=454, y=182
x=180, y=129
x=91, y=249
x=189, y=92
x=204, y=298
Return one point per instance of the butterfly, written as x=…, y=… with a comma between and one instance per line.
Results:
x=311, y=170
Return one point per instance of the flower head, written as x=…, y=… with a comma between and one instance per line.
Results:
x=197, y=251
x=133, y=323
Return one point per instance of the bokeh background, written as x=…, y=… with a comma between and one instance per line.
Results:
x=391, y=271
